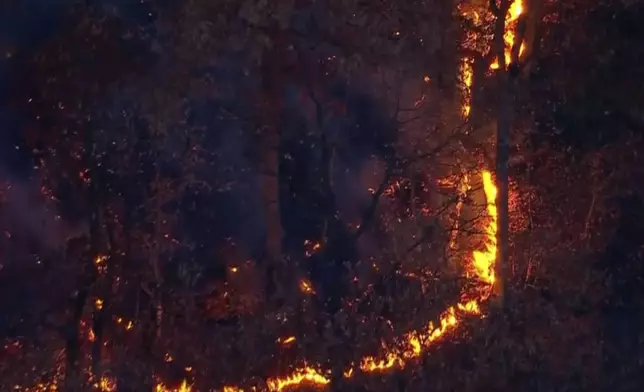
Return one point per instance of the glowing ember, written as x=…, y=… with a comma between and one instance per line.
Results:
x=100, y=263
x=128, y=325
x=306, y=287
x=482, y=266
x=463, y=187
x=286, y=341
x=310, y=248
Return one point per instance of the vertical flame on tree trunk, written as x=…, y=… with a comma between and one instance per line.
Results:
x=507, y=47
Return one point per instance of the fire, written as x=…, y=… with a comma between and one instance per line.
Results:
x=509, y=36
x=311, y=247
x=463, y=188
x=286, y=341
x=480, y=43
x=466, y=72
x=483, y=261
x=414, y=343
x=482, y=264
x=100, y=263
x=306, y=287
x=127, y=325
x=306, y=374
x=184, y=387
x=105, y=384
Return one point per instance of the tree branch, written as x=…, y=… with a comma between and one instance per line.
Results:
x=495, y=9
x=370, y=213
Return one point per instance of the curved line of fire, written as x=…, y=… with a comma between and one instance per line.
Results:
x=480, y=266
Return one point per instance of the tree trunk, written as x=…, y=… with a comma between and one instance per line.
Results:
x=95, y=251
x=502, y=155
x=105, y=285
x=269, y=160
x=153, y=327
x=72, y=343
x=270, y=192
x=532, y=33
x=504, y=122
x=269, y=153
x=155, y=259
x=89, y=275
x=97, y=327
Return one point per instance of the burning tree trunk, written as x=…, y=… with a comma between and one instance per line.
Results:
x=523, y=44
x=529, y=34
x=502, y=149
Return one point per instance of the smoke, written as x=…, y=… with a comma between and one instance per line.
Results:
x=241, y=183
x=352, y=183
x=25, y=213
x=234, y=207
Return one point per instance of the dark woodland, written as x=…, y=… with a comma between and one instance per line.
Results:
x=341, y=195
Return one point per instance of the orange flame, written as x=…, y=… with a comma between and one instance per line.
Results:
x=467, y=73
x=509, y=36
x=306, y=287
x=304, y=375
x=483, y=261
x=184, y=387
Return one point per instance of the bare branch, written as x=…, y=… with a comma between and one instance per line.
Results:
x=370, y=212
x=494, y=8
